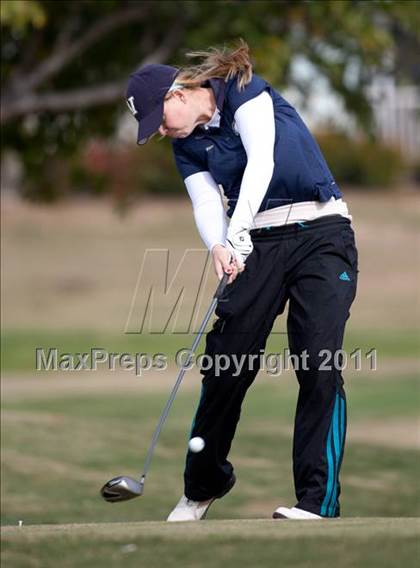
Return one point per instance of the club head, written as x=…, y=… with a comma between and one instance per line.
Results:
x=121, y=488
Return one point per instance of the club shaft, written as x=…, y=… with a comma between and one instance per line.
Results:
x=181, y=374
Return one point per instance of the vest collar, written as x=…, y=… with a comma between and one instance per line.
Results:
x=218, y=86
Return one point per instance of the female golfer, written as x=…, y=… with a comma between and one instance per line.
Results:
x=289, y=239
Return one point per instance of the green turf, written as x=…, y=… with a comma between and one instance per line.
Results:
x=59, y=447
x=374, y=542
x=66, y=447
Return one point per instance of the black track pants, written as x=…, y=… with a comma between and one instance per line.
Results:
x=314, y=266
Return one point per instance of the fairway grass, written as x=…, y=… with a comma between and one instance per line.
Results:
x=63, y=438
x=373, y=542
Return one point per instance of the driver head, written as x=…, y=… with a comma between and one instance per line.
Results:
x=121, y=488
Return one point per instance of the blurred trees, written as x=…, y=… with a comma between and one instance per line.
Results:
x=361, y=163
x=65, y=64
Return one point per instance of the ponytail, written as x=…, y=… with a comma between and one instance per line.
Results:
x=218, y=63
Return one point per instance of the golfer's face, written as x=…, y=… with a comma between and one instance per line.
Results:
x=178, y=116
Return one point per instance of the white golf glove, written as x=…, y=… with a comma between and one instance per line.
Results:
x=240, y=244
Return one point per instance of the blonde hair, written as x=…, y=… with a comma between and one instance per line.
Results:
x=221, y=63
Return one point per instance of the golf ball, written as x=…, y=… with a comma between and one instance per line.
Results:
x=196, y=444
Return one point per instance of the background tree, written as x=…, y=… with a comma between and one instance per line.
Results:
x=65, y=64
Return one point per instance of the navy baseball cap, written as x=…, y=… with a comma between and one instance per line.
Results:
x=145, y=94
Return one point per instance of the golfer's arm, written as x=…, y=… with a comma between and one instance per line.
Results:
x=209, y=212
x=256, y=126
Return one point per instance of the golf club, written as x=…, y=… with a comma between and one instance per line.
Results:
x=123, y=488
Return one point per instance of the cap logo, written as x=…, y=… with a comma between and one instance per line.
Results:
x=130, y=103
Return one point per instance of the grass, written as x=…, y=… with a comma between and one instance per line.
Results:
x=372, y=542
x=66, y=446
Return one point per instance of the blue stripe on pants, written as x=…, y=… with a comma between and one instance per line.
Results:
x=342, y=426
x=337, y=452
x=330, y=474
x=334, y=440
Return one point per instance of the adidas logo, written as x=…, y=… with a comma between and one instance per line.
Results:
x=344, y=276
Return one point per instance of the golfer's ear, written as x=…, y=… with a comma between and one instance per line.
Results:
x=180, y=95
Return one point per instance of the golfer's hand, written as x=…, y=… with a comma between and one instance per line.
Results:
x=239, y=243
x=223, y=261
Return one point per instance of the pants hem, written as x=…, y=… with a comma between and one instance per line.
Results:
x=316, y=509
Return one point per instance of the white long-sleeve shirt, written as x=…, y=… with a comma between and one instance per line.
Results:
x=255, y=123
